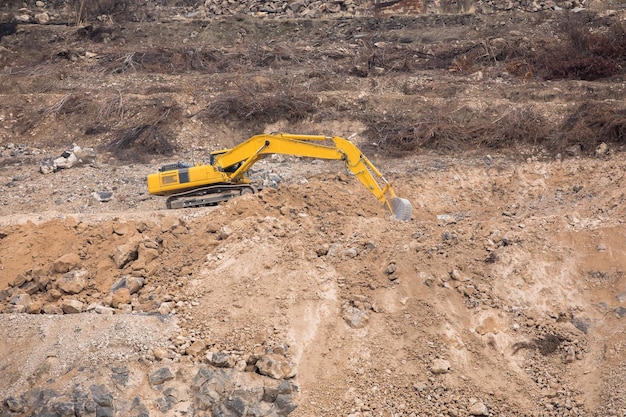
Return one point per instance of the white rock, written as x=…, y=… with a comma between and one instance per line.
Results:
x=440, y=366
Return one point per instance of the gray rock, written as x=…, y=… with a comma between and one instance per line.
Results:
x=64, y=409
x=355, y=317
x=160, y=376
x=220, y=359
x=102, y=196
x=104, y=411
x=120, y=375
x=14, y=405
x=46, y=165
x=133, y=284
x=101, y=395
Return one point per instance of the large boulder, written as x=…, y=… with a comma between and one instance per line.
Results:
x=73, y=282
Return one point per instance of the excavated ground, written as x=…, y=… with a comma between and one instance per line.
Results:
x=503, y=295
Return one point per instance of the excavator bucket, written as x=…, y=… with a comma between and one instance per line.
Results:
x=401, y=208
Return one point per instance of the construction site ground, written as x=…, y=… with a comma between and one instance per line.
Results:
x=504, y=295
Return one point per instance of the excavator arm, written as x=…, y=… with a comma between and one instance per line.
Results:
x=250, y=151
x=229, y=169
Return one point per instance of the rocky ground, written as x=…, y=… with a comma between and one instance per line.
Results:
x=504, y=295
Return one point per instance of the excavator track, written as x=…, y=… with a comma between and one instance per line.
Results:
x=207, y=196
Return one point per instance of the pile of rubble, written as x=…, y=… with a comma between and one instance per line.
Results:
x=316, y=9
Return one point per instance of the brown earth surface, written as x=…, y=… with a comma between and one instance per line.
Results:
x=504, y=295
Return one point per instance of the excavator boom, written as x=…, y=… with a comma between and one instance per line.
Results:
x=226, y=176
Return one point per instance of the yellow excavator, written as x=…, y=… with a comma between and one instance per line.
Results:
x=226, y=176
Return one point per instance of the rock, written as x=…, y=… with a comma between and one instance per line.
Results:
x=574, y=150
x=126, y=253
x=52, y=309
x=71, y=306
x=355, y=317
x=478, y=409
x=66, y=161
x=165, y=308
x=102, y=196
x=100, y=309
x=160, y=376
x=159, y=353
x=42, y=18
x=14, y=405
x=133, y=284
x=101, y=395
x=220, y=359
x=440, y=366
x=73, y=282
x=40, y=3
x=66, y=263
x=22, y=18
x=21, y=299
x=602, y=149
x=46, y=165
x=120, y=297
x=275, y=366
x=196, y=348
x=84, y=155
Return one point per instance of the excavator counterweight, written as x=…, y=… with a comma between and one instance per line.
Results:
x=226, y=176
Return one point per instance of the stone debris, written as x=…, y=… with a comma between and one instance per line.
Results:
x=68, y=159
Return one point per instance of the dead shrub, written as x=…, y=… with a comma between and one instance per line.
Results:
x=591, y=124
x=68, y=104
x=519, y=67
x=584, y=52
x=459, y=130
x=463, y=64
x=247, y=105
x=166, y=61
x=139, y=142
x=119, y=10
